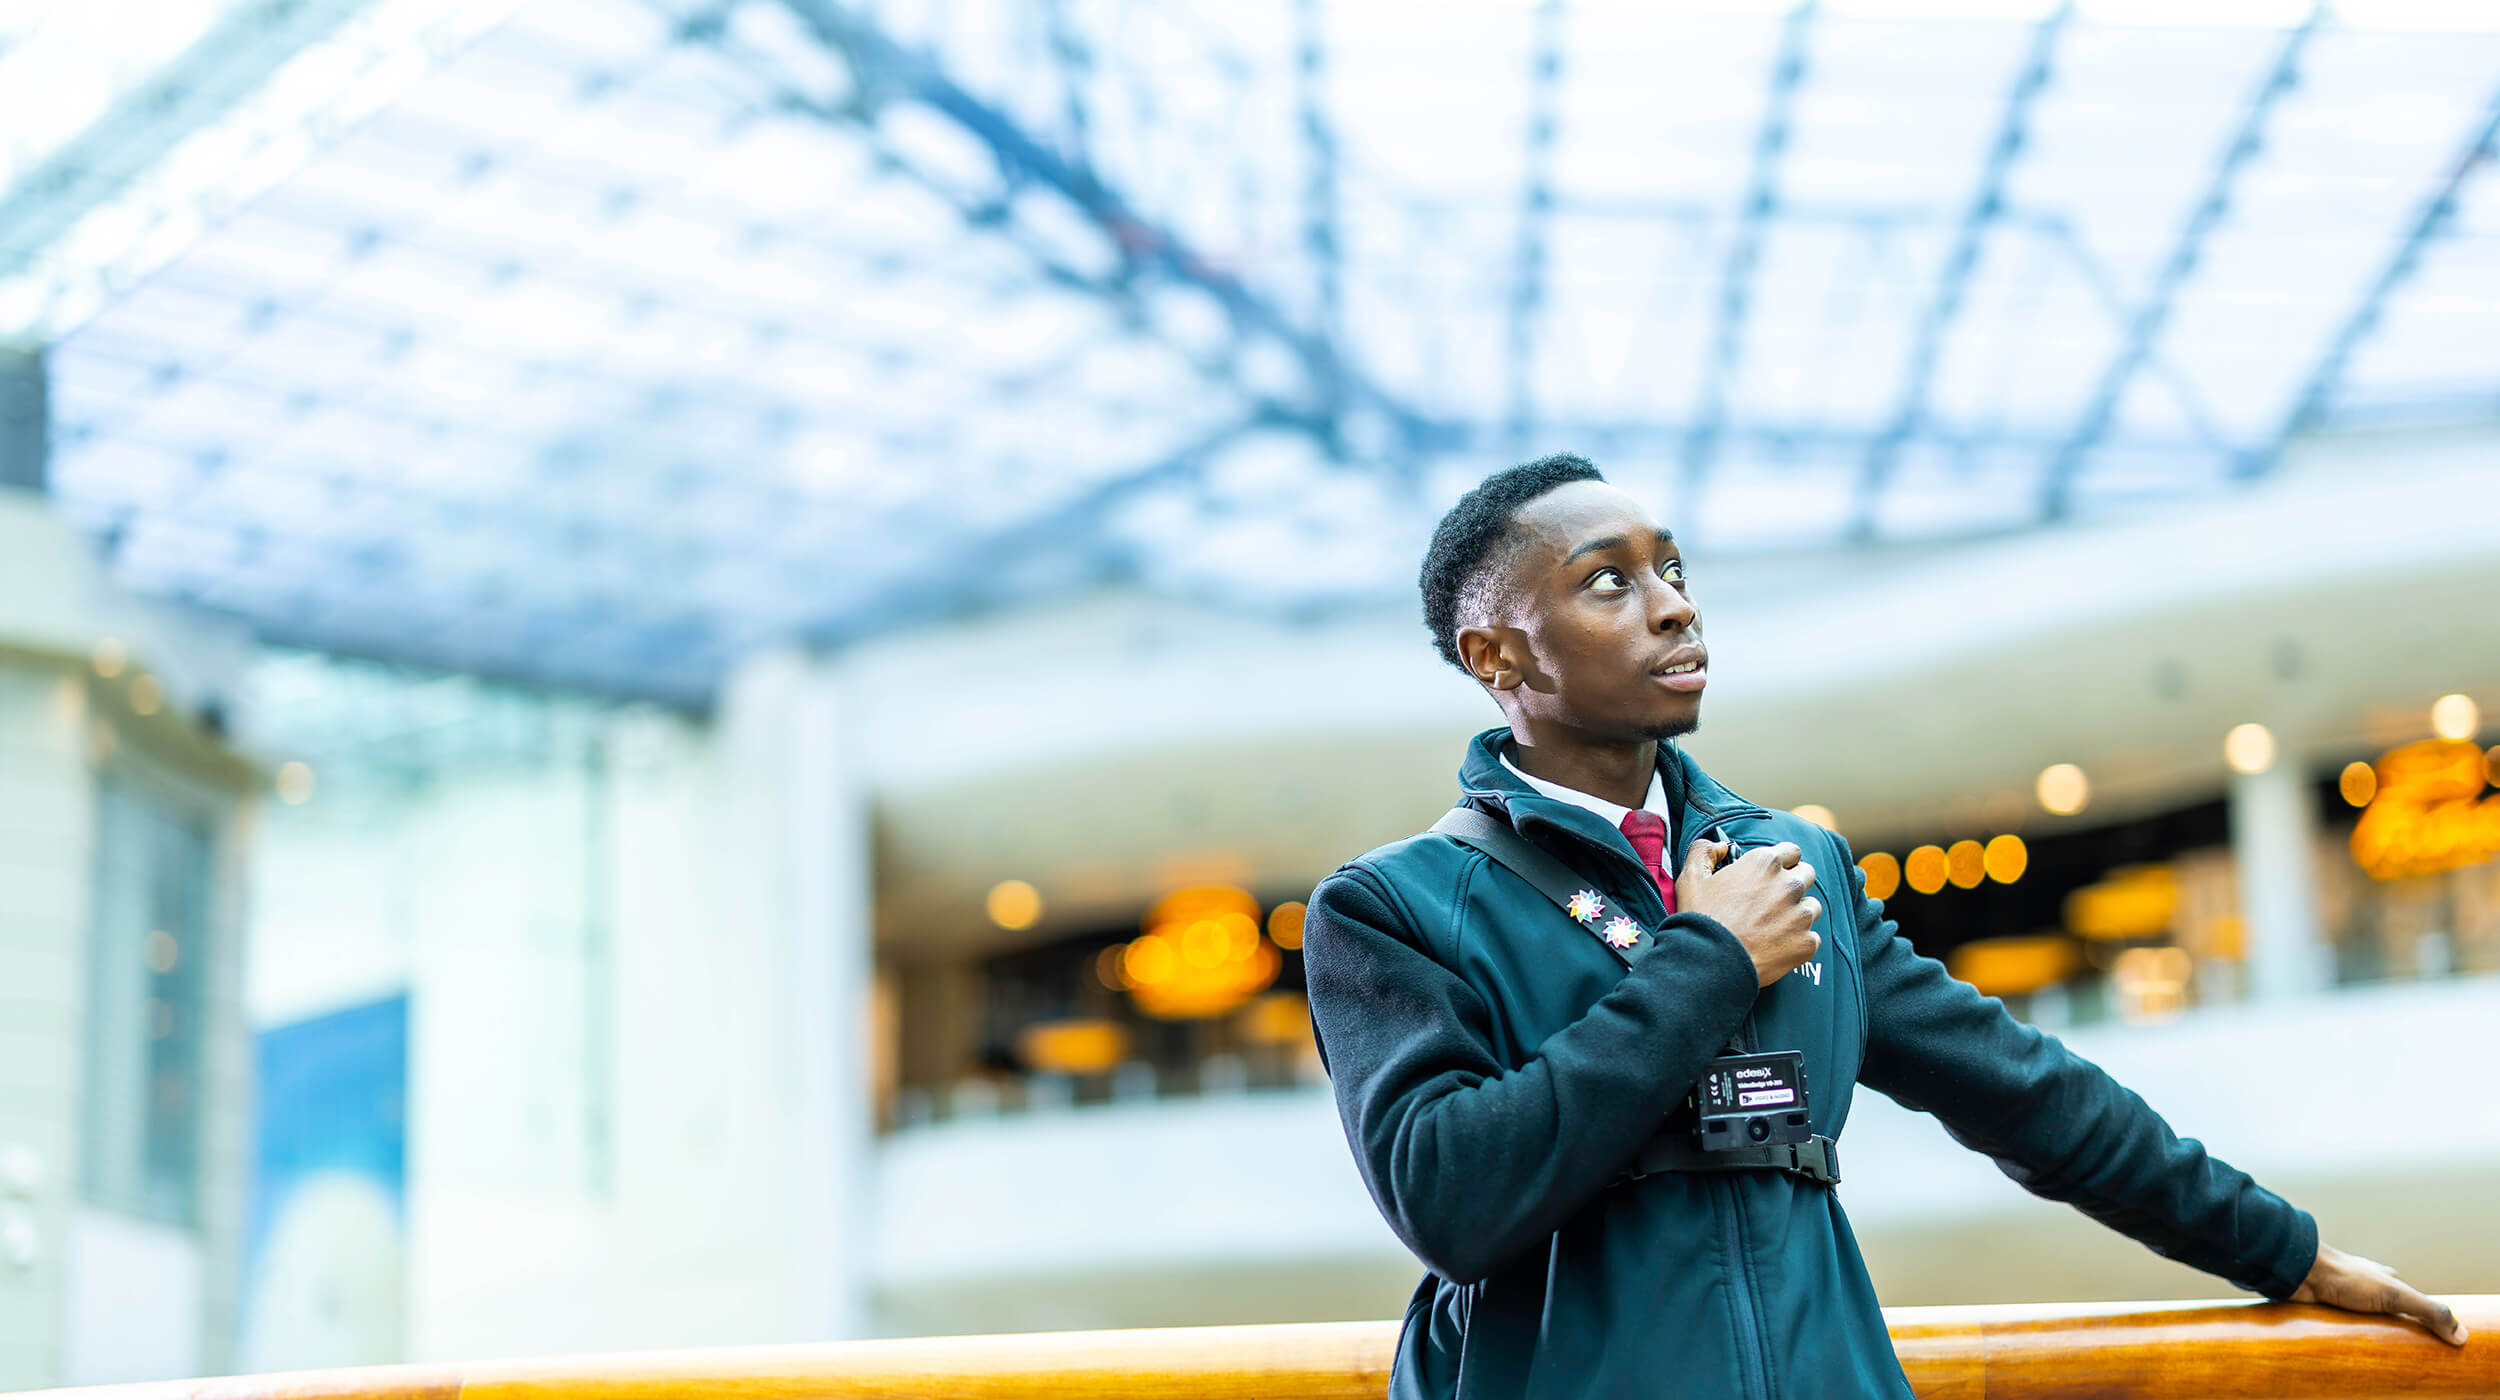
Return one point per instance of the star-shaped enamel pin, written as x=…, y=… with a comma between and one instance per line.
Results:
x=1622, y=933
x=1586, y=906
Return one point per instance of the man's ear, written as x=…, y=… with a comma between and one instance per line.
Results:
x=1496, y=656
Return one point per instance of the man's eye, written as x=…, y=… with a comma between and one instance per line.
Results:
x=1609, y=580
x=1672, y=571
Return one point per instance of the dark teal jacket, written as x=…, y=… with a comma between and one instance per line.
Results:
x=1498, y=1069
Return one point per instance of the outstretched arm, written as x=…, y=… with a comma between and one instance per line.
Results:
x=2062, y=1128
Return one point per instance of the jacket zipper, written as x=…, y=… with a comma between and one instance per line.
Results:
x=1740, y=1290
x=1705, y=819
x=1747, y=1307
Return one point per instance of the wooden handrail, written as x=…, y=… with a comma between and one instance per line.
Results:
x=2212, y=1351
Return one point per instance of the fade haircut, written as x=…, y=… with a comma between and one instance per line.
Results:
x=1462, y=569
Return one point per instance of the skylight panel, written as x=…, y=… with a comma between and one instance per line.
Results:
x=122, y=470
x=1436, y=107
x=63, y=66
x=1659, y=103
x=1602, y=334
x=2034, y=335
x=2432, y=342
x=2130, y=134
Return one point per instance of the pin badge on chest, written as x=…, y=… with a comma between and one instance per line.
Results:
x=1585, y=906
x=1622, y=933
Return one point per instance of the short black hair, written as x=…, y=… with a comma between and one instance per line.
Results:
x=1469, y=540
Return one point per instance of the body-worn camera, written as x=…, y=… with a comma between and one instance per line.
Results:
x=1750, y=1101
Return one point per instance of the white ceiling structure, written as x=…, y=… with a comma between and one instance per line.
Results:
x=593, y=342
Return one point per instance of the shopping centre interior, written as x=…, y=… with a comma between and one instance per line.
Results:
x=607, y=745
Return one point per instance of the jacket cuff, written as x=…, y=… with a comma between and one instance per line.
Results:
x=2292, y=1263
x=1714, y=940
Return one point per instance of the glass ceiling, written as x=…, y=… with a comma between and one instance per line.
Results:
x=594, y=342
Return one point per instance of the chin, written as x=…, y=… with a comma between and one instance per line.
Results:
x=1676, y=728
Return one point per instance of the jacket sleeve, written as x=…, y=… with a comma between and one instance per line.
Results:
x=1471, y=1160
x=2059, y=1126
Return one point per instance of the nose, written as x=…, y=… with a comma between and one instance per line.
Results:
x=1669, y=609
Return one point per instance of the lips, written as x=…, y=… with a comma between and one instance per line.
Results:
x=1688, y=671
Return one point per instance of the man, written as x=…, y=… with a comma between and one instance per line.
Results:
x=1506, y=1081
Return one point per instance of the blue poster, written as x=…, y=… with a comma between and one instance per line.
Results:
x=324, y=1263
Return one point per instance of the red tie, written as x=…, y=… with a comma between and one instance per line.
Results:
x=1647, y=831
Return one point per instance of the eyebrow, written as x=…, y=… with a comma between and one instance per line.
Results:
x=1607, y=542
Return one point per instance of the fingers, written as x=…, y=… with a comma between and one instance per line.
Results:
x=1705, y=856
x=2405, y=1300
x=1785, y=854
x=2364, y=1285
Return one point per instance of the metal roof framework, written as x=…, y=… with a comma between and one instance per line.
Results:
x=595, y=342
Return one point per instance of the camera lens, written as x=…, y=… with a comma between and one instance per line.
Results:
x=1758, y=1129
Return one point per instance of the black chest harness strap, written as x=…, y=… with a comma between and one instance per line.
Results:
x=1669, y=1150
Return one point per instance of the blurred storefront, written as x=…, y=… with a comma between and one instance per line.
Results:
x=125, y=1101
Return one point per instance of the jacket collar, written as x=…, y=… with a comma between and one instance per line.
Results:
x=1576, y=833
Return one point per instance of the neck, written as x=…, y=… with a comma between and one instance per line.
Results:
x=1619, y=773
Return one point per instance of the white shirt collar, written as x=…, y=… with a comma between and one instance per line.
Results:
x=1613, y=813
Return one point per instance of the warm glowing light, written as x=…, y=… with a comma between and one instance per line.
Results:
x=2491, y=765
x=1150, y=962
x=2456, y=717
x=1883, y=874
x=2248, y=748
x=1107, y=967
x=110, y=657
x=1816, y=813
x=1014, y=904
x=146, y=696
x=2429, y=814
x=1199, y=902
x=2007, y=858
x=163, y=952
x=2014, y=967
x=1284, y=923
x=1965, y=864
x=2063, y=790
x=2358, y=783
x=1073, y=1047
x=2135, y=901
x=1926, y=869
x=1202, y=943
x=1201, y=954
x=295, y=783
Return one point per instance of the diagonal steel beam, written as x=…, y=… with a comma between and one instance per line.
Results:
x=2153, y=314
x=1320, y=242
x=885, y=71
x=907, y=600
x=2104, y=288
x=1744, y=254
x=1074, y=59
x=220, y=70
x=2481, y=146
x=1536, y=214
x=1987, y=203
